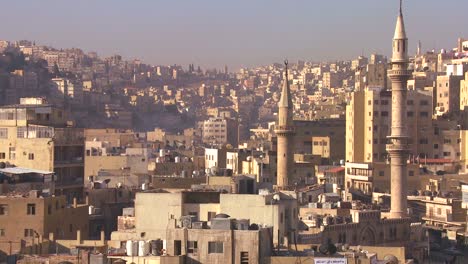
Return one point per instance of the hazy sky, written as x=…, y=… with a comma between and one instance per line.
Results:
x=238, y=33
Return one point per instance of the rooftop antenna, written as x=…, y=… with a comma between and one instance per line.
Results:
x=401, y=7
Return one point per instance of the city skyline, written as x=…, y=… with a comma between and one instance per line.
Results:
x=172, y=33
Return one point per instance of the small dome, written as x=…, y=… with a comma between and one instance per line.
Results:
x=390, y=259
x=222, y=216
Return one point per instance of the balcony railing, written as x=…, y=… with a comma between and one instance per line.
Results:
x=69, y=136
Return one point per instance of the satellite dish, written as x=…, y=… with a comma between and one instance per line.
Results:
x=276, y=197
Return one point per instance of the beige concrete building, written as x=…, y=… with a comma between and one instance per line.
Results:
x=367, y=125
x=279, y=212
x=113, y=137
x=331, y=80
x=376, y=177
x=186, y=139
x=36, y=137
x=221, y=131
x=228, y=241
x=464, y=150
x=464, y=101
x=370, y=76
x=448, y=94
x=27, y=219
x=335, y=129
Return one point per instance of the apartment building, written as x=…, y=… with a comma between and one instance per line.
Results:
x=38, y=217
x=36, y=136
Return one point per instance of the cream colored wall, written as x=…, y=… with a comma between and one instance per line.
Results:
x=464, y=150
x=95, y=163
x=355, y=128
x=201, y=209
x=153, y=211
x=254, y=207
x=42, y=148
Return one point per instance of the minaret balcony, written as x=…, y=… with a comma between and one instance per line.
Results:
x=399, y=72
x=284, y=129
x=397, y=148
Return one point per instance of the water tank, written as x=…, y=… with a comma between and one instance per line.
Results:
x=177, y=159
x=143, y=248
x=342, y=162
x=184, y=174
x=162, y=152
x=132, y=248
x=144, y=186
x=158, y=160
x=91, y=210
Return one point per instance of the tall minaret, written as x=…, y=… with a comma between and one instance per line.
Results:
x=285, y=132
x=398, y=148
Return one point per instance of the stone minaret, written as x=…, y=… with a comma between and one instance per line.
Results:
x=398, y=148
x=285, y=132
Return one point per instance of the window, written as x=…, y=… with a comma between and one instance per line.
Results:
x=2, y=155
x=3, y=132
x=12, y=153
x=31, y=209
x=411, y=173
x=381, y=173
x=215, y=247
x=439, y=211
x=28, y=232
x=446, y=154
x=31, y=156
x=410, y=114
x=384, y=102
x=192, y=247
x=436, y=146
x=2, y=232
x=410, y=102
x=244, y=257
x=424, y=102
x=49, y=209
x=423, y=114
x=384, y=113
x=3, y=209
x=211, y=215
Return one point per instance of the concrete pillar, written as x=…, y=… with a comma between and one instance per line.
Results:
x=78, y=236
x=103, y=237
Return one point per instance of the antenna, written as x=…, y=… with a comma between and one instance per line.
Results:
x=401, y=7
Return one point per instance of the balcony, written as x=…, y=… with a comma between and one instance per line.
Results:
x=69, y=136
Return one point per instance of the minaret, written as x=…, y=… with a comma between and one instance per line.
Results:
x=285, y=132
x=397, y=147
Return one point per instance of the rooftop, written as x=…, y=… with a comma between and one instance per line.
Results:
x=19, y=170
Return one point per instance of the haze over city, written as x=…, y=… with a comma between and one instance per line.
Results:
x=242, y=33
x=241, y=132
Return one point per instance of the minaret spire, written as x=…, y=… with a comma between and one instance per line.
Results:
x=285, y=99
